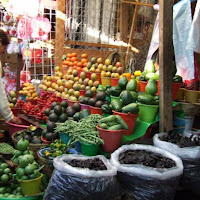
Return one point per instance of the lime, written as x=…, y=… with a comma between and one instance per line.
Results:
x=1, y=171
x=20, y=172
x=18, y=153
x=32, y=176
x=29, y=169
x=4, y=178
x=23, y=162
x=11, y=196
x=6, y=171
x=29, y=157
x=16, y=161
x=4, y=165
x=2, y=190
x=6, y=194
x=24, y=177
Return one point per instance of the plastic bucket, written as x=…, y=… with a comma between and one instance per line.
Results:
x=175, y=88
x=89, y=149
x=31, y=187
x=130, y=120
x=147, y=113
x=112, y=139
x=85, y=106
x=82, y=92
x=64, y=137
x=15, y=127
x=191, y=96
x=105, y=81
x=114, y=98
x=78, y=146
x=71, y=103
x=98, y=76
x=143, y=85
x=79, y=73
x=114, y=81
x=95, y=110
x=180, y=94
x=88, y=75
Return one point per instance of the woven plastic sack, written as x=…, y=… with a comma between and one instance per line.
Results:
x=190, y=156
x=72, y=183
x=147, y=183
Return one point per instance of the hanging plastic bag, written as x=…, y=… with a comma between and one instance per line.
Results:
x=191, y=161
x=145, y=183
x=76, y=183
x=25, y=75
x=193, y=42
x=182, y=21
x=40, y=28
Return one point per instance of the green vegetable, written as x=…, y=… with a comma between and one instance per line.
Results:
x=134, y=95
x=151, y=87
x=108, y=119
x=131, y=108
x=146, y=99
x=106, y=109
x=115, y=91
x=22, y=144
x=116, y=127
x=152, y=75
x=149, y=66
x=122, y=82
x=112, y=123
x=126, y=97
x=103, y=126
x=132, y=85
x=116, y=105
x=6, y=148
x=122, y=122
x=84, y=113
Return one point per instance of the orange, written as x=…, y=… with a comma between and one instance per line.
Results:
x=74, y=59
x=84, y=55
x=84, y=60
x=74, y=54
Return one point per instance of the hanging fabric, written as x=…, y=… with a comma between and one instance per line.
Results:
x=193, y=42
x=182, y=21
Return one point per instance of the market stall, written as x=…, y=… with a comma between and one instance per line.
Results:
x=84, y=123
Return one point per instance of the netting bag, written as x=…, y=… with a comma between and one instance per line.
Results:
x=147, y=183
x=74, y=183
x=190, y=156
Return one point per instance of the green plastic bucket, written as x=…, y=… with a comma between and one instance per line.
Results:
x=89, y=149
x=114, y=98
x=31, y=187
x=147, y=113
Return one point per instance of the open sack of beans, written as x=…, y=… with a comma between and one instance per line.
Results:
x=146, y=172
x=81, y=177
x=188, y=149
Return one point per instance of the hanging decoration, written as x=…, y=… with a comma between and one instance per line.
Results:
x=28, y=8
x=24, y=28
x=36, y=56
x=40, y=28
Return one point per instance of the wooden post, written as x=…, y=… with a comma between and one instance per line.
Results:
x=18, y=70
x=60, y=31
x=132, y=32
x=165, y=64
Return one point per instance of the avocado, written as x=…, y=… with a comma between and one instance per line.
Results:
x=126, y=97
x=99, y=104
x=100, y=96
x=36, y=140
x=85, y=100
x=58, y=110
x=70, y=111
x=81, y=99
x=50, y=126
x=53, y=117
x=122, y=82
x=27, y=137
x=44, y=132
x=64, y=104
x=47, y=111
x=49, y=136
x=76, y=116
x=89, y=93
x=51, y=112
x=92, y=101
x=55, y=136
x=76, y=107
x=54, y=104
x=63, y=117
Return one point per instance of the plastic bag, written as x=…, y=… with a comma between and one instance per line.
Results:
x=72, y=183
x=25, y=75
x=145, y=183
x=191, y=161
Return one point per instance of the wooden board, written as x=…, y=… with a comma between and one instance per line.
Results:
x=32, y=121
x=165, y=63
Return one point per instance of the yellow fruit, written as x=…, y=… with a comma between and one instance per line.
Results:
x=108, y=74
x=34, y=95
x=29, y=94
x=21, y=92
x=57, y=68
x=107, y=62
x=77, y=94
x=35, y=98
x=11, y=105
x=59, y=82
x=45, y=76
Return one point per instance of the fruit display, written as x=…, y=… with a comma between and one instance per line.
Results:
x=13, y=190
x=12, y=99
x=29, y=91
x=6, y=174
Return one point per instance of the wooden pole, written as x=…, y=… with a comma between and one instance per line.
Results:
x=165, y=64
x=132, y=32
x=60, y=32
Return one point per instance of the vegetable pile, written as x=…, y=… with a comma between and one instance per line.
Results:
x=145, y=158
x=6, y=148
x=113, y=122
x=92, y=164
x=5, y=173
x=82, y=131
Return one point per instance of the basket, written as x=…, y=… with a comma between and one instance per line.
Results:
x=95, y=110
x=105, y=81
x=32, y=147
x=114, y=81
